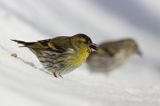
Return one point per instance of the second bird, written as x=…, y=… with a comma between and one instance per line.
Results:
x=111, y=55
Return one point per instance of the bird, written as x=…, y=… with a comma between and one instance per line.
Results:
x=113, y=54
x=62, y=54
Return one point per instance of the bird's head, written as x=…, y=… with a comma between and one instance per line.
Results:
x=83, y=41
x=131, y=46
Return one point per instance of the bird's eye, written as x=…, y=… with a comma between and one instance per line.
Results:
x=83, y=40
x=89, y=41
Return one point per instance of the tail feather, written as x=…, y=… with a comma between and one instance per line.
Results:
x=33, y=46
x=22, y=42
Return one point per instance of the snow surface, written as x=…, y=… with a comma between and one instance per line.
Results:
x=134, y=84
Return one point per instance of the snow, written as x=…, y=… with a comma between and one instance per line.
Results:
x=134, y=84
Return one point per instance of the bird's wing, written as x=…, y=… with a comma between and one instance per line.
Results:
x=60, y=44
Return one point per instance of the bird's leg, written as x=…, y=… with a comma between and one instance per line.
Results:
x=60, y=75
x=55, y=75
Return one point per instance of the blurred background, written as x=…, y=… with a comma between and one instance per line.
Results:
x=135, y=84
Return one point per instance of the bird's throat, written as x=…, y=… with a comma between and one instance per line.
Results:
x=80, y=57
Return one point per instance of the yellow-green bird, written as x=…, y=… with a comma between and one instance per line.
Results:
x=111, y=55
x=62, y=54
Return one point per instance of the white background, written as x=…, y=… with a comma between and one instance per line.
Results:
x=134, y=84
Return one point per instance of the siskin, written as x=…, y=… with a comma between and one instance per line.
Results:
x=111, y=55
x=62, y=54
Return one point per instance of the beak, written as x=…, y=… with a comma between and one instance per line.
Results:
x=92, y=47
x=139, y=53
